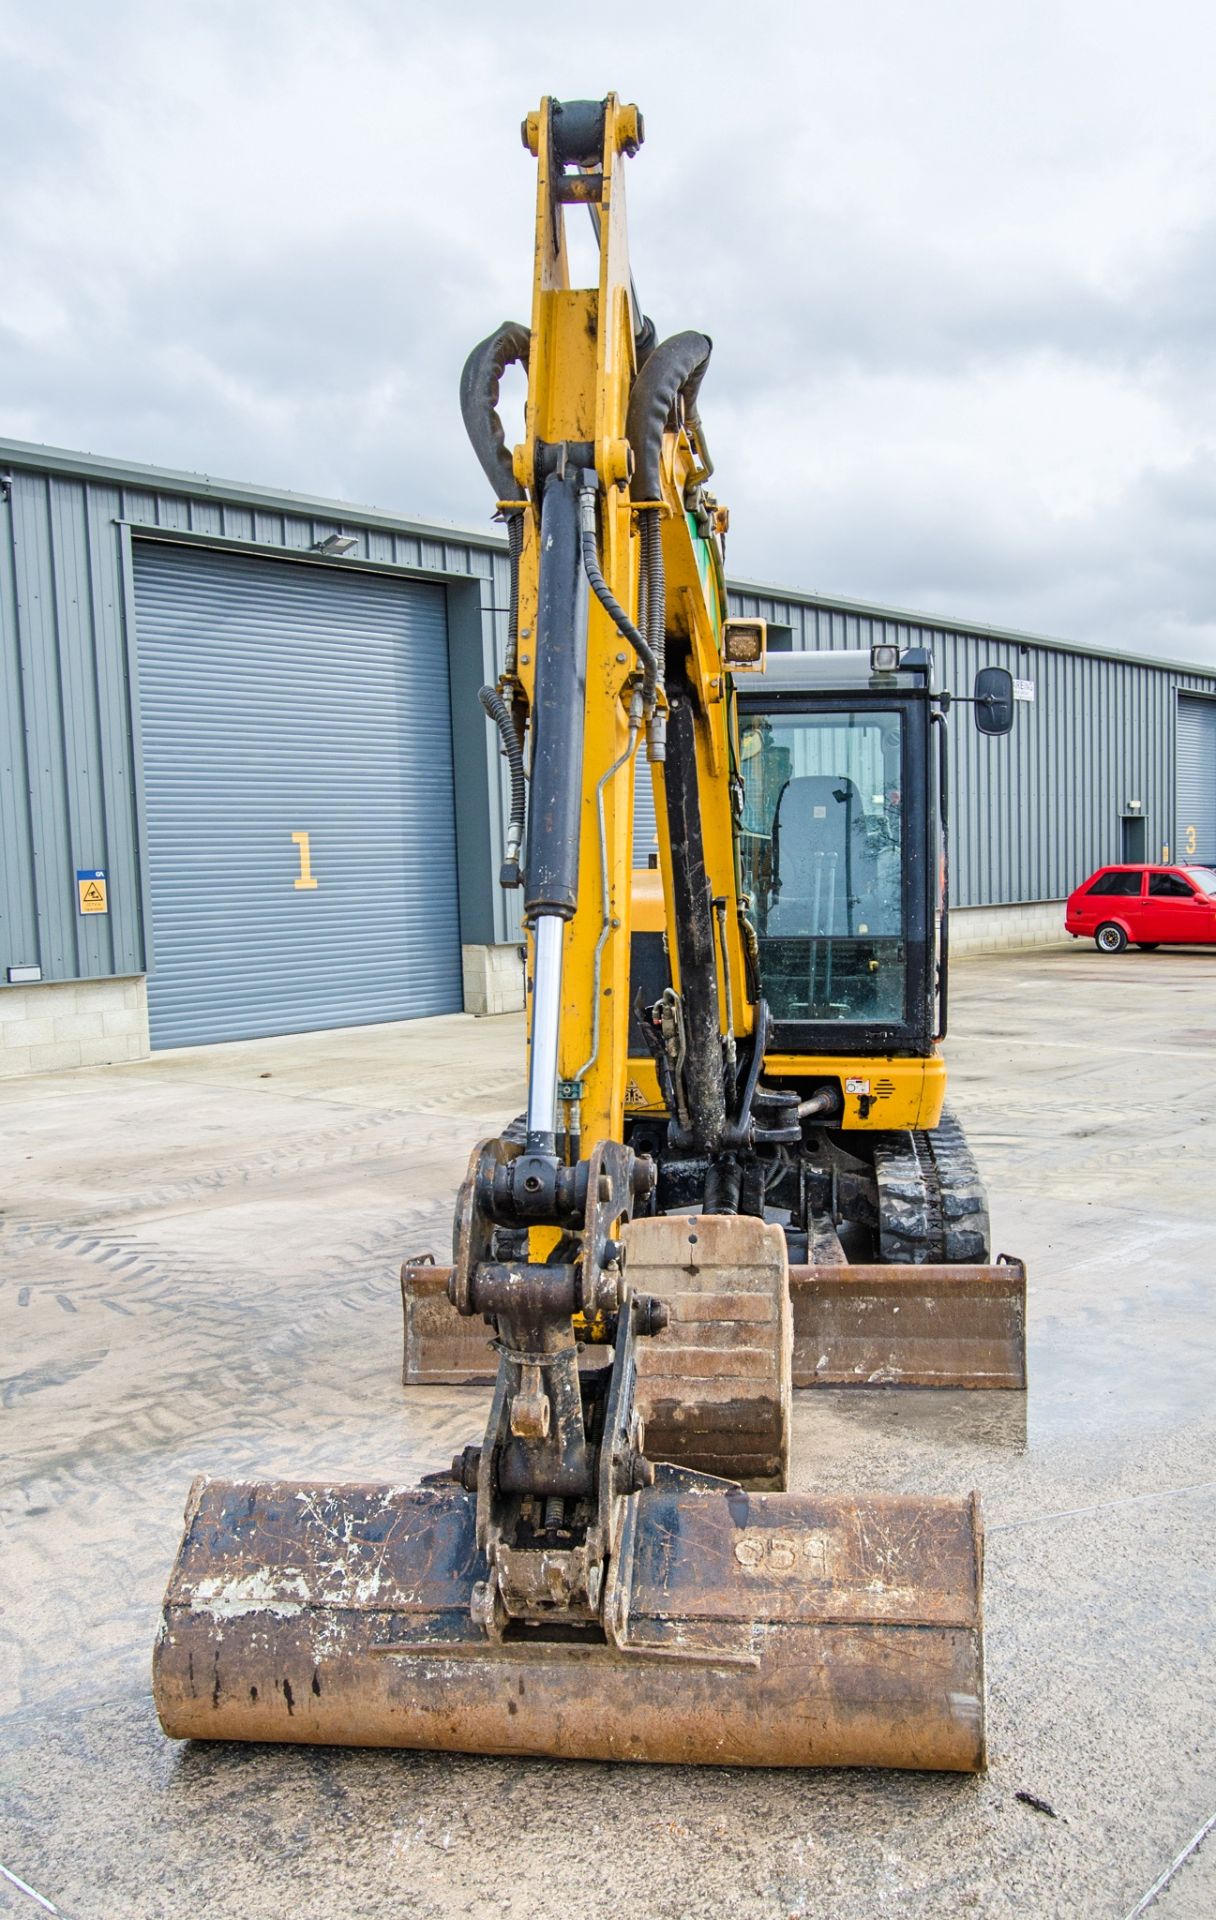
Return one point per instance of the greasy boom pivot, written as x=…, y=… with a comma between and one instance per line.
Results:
x=558, y=1592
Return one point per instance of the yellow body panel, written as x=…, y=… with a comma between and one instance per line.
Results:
x=903, y=1092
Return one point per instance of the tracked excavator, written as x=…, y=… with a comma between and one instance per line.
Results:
x=735, y=1174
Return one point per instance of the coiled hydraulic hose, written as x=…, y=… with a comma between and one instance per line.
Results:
x=515, y=547
x=496, y=708
x=656, y=588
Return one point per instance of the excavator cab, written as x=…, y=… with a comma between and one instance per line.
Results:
x=732, y=1176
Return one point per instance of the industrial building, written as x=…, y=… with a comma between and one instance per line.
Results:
x=246, y=787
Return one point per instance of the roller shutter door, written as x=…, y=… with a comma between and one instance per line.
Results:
x=1196, y=781
x=645, y=831
x=279, y=701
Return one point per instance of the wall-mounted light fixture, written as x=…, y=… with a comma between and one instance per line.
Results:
x=1135, y=806
x=335, y=544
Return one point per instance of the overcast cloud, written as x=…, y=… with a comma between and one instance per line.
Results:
x=959, y=264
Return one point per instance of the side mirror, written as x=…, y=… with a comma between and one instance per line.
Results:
x=993, y=698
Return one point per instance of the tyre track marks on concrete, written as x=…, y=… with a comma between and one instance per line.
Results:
x=321, y=1151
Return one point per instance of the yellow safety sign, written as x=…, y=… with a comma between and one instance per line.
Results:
x=91, y=890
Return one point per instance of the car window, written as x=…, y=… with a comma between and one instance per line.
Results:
x=1170, y=884
x=1203, y=877
x=1124, y=883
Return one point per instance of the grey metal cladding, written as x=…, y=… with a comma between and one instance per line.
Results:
x=70, y=773
x=67, y=787
x=1032, y=814
x=279, y=700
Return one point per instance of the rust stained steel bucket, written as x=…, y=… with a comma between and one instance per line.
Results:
x=872, y=1325
x=752, y=1630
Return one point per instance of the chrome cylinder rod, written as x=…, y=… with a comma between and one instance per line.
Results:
x=546, y=1024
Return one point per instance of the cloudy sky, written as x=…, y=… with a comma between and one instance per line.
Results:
x=958, y=261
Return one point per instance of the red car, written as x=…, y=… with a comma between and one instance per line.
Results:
x=1149, y=906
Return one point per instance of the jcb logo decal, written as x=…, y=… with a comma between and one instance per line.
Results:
x=775, y=1553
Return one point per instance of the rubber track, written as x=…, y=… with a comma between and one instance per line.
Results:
x=931, y=1199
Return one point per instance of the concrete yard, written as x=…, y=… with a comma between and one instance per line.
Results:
x=199, y=1273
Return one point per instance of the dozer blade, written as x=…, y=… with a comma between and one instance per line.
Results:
x=751, y=1630
x=903, y=1326
x=908, y=1326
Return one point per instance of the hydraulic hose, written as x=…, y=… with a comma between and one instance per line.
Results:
x=608, y=600
x=496, y=708
x=674, y=371
x=670, y=375
x=480, y=384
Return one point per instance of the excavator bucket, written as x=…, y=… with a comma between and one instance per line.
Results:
x=749, y=1630
x=734, y=1627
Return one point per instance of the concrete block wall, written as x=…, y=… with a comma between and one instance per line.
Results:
x=72, y=1023
x=1036, y=923
x=493, y=979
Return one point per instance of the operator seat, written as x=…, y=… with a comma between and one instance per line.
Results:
x=825, y=871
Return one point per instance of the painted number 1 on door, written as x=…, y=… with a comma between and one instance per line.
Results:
x=304, y=880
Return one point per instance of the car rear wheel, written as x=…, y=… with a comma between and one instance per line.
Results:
x=1148, y=946
x=1110, y=938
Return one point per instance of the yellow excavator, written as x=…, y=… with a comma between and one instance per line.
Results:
x=734, y=1175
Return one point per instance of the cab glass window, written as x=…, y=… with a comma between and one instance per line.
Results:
x=820, y=845
x=1171, y=885
x=1122, y=883
x=1205, y=878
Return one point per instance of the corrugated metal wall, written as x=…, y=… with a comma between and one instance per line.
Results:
x=1033, y=814
x=67, y=798
x=69, y=780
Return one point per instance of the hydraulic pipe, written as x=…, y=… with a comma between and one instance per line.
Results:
x=607, y=599
x=496, y=708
